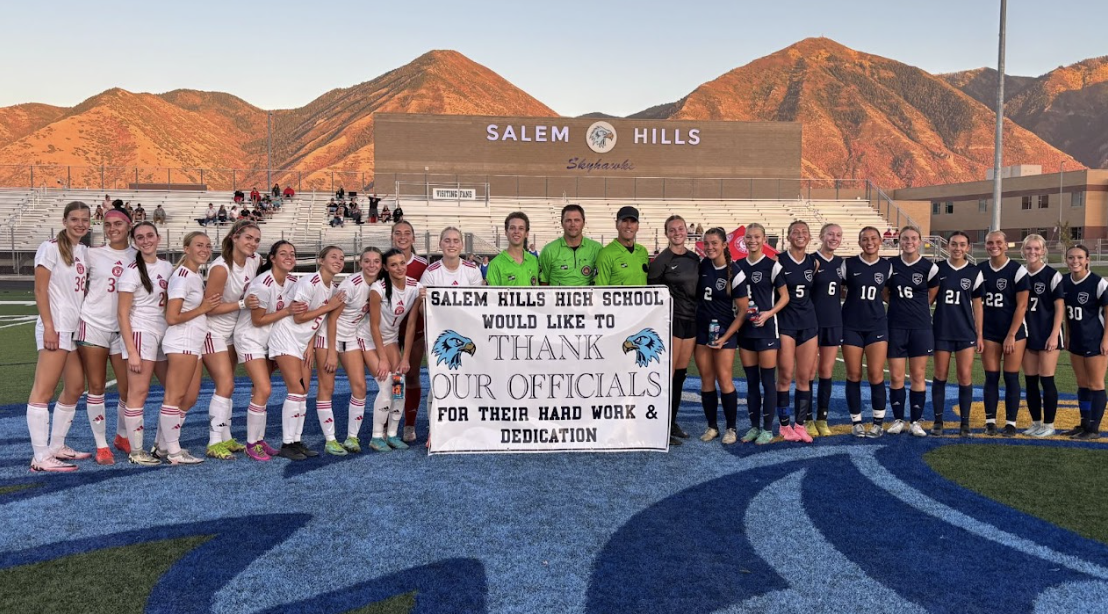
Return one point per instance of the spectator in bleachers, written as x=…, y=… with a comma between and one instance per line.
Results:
x=896, y=237
x=140, y=214
x=222, y=215
x=211, y=215
x=485, y=266
x=107, y=202
x=244, y=213
x=355, y=213
x=289, y=192
x=699, y=230
x=239, y=197
x=255, y=195
x=385, y=217
x=159, y=215
x=887, y=238
x=276, y=191
x=397, y=214
x=98, y=216
x=374, y=203
x=331, y=207
x=340, y=193
x=336, y=219
x=129, y=209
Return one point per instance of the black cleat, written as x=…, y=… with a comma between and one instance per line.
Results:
x=290, y=452
x=964, y=431
x=990, y=429
x=1087, y=435
x=1075, y=431
x=1009, y=430
x=305, y=450
x=937, y=429
x=677, y=431
x=674, y=441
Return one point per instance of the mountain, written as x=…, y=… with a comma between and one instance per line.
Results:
x=1068, y=108
x=864, y=116
x=980, y=84
x=22, y=119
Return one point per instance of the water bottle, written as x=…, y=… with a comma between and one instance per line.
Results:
x=397, y=386
x=752, y=311
x=713, y=331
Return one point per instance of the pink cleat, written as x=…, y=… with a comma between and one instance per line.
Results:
x=51, y=464
x=788, y=434
x=802, y=433
x=268, y=449
x=67, y=453
x=257, y=452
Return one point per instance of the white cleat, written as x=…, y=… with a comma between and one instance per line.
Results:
x=896, y=427
x=917, y=430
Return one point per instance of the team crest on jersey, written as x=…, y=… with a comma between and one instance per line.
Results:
x=756, y=276
x=280, y=304
x=80, y=268
x=1082, y=297
x=1001, y=284
x=399, y=308
x=966, y=283
x=1040, y=287
x=917, y=278
x=808, y=275
x=163, y=284
x=879, y=278
x=721, y=284
x=586, y=270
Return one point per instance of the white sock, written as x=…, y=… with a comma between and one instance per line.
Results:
x=94, y=404
x=228, y=409
x=396, y=413
x=63, y=419
x=381, y=406
x=133, y=417
x=120, y=421
x=255, y=423
x=303, y=418
x=326, y=419
x=169, y=428
x=1010, y=423
x=216, y=419
x=38, y=423
x=289, y=414
x=355, y=413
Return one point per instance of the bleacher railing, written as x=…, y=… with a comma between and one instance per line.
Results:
x=220, y=179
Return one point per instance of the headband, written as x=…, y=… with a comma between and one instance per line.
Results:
x=121, y=214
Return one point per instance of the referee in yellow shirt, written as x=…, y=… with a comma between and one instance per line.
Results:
x=623, y=262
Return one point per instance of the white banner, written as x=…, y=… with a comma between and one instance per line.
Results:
x=454, y=193
x=548, y=369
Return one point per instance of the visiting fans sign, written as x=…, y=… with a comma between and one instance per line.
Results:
x=548, y=369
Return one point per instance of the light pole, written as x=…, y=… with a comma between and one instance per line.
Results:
x=268, y=147
x=998, y=156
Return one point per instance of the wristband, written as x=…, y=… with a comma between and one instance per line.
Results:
x=242, y=304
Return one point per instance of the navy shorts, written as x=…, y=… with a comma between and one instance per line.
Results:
x=1037, y=343
x=800, y=336
x=1078, y=347
x=702, y=335
x=830, y=336
x=908, y=343
x=997, y=336
x=685, y=329
x=759, y=344
x=954, y=346
x=864, y=338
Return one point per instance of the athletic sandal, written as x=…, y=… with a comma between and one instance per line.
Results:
x=104, y=456
x=142, y=457
x=51, y=464
x=122, y=444
x=396, y=444
x=751, y=434
x=219, y=451
x=729, y=437
x=257, y=452
x=334, y=448
x=67, y=453
x=352, y=445
x=378, y=444
x=709, y=434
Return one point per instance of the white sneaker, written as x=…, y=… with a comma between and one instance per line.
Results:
x=917, y=430
x=51, y=464
x=896, y=427
x=1046, y=431
x=183, y=458
x=1035, y=428
x=730, y=437
x=409, y=433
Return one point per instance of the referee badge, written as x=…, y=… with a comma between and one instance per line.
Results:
x=534, y=281
x=586, y=270
x=1082, y=297
x=966, y=283
x=1001, y=284
x=756, y=276
x=917, y=278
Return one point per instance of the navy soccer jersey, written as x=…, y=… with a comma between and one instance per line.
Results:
x=1085, y=301
x=763, y=278
x=864, y=309
x=827, y=291
x=909, y=307
x=1000, y=289
x=1046, y=288
x=954, y=304
x=711, y=288
x=800, y=313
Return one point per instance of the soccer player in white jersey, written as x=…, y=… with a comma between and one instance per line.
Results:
x=291, y=343
x=272, y=289
x=451, y=270
x=143, y=294
x=391, y=300
x=354, y=347
x=61, y=269
x=236, y=265
x=98, y=338
x=186, y=313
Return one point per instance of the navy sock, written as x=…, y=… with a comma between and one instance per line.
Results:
x=710, y=402
x=678, y=383
x=916, y=401
x=878, y=401
x=1034, y=401
x=896, y=399
x=753, y=396
x=1011, y=396
x=803, y=406
x=730, y=407
x=769, y=396
x=992, y=394
x=783, y=407
x=854, y=400
x=823, y=400
x=938, y=398
x=965, y=402
x=1098, y=399
x=1050, y=398
x=1083, y=404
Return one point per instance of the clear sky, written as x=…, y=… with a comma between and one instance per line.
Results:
x=614, y=56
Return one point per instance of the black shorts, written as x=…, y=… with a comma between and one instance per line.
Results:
x=759, y=344
x=864, y=338
x=702, y=335
x=800, y=336
x=1084, y=347
x=954, y=346
x=908, y=343
x=830, y=336
x=998, y=336
x=685, y=329
x=1037, y=343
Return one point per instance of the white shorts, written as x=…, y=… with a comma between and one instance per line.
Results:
x=149, y=346
x=216, y=343
x=357, y=345
x=183, y=339
x=88, y=334
x=320, y=342
x=65, y=339
x=248, y=352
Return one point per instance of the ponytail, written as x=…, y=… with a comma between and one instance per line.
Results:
x=140, y=262
x=268, y=264
x=384, y=265
x=65, y=248
x=227, y=248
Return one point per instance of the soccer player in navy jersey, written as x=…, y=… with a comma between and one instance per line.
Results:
x=910, y=293
x=827, y=298
x=721, y=287
x=1005, y=333
x=799, y=332
x=957, y=325
x=1086, y=298
x=865, y=329
x=1045, y=311
x=759, y=341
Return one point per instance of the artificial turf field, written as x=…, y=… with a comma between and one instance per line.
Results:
x=897, y=524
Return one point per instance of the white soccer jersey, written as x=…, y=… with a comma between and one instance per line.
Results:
x=467, y=274
x=223, y=325
x=288, y=337
x=105, y=266
x=272, y=297
x=148, y=308
x=188, y=336
x=393, y=312
x=67, y=284
x=352, y=320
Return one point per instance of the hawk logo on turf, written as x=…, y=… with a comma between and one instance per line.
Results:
x=917, y=278
x=966, y=283
x=647, y=346
x=1040, y=287
x=1001, y=284
x=601, y=137
x=449, y=347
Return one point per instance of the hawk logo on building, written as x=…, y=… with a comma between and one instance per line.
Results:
x=601, y=137
x=647, y=346
x=449, y=347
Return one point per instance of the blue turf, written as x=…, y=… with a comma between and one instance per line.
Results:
x=703, y=528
